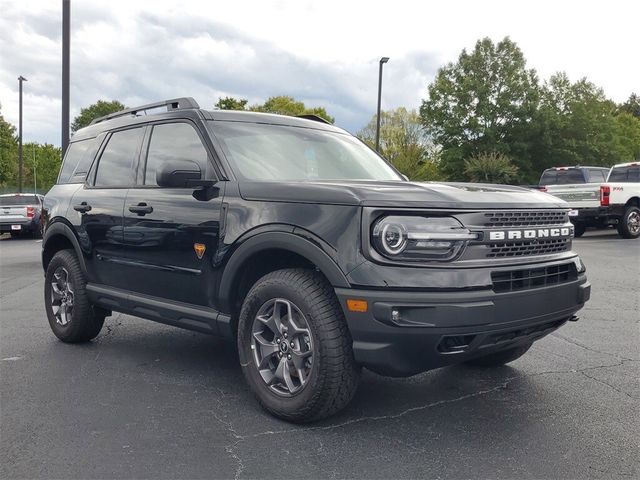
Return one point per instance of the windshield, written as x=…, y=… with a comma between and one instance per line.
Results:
x=630, y=173
x=18, y=200
x=276, y=153
x=562, y=177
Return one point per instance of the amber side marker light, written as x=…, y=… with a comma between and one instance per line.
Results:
x=357, y=305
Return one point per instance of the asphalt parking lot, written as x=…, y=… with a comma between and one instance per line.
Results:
x=149, y=401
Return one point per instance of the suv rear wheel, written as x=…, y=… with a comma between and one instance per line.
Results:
x=629, y=226
x=295, y=348
x=71, y=316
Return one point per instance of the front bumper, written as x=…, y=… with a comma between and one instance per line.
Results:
x=438, y=328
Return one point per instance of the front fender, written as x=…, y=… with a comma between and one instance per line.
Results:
x=280, y=240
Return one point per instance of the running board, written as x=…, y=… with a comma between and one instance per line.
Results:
x=183, y=315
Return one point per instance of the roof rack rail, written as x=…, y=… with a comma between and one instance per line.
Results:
x=182, y=103
x=315, y=118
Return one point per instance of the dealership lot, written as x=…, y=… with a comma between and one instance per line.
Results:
x=150, y=401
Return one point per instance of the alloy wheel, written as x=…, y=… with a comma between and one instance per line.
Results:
x=61, y=296
x=633, y=222
x=282, y=346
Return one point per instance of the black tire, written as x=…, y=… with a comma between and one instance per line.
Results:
x=334, y=375
x=500, y=358
x=579, y=229
x=83, y=322
x=628, y=226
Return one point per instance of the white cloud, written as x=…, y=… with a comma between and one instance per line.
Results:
x=325, y=53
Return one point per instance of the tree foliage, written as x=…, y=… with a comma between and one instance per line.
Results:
x=98, y=109
x=490, y=167
x=577, y=124
x=282, y=105
x=404, y=142
x=230, y=103
x=8, y=152
x=631, y=106
x=482, y=103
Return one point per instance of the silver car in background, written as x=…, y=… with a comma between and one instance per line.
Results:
x=20, y=213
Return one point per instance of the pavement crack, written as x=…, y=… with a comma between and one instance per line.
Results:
x=581, y=345
x=232, y=447
x=608, y=385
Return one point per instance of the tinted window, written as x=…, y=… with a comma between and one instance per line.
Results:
x=173, y=141
x=597, y=176
x=115, y=168
x=18, y=200
x=625, y=174
x=77, y=161
x=562, y=177
x=271, y=152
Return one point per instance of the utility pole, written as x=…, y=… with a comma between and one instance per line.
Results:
x=66, y=13
x=383, y=60
x=20, y=80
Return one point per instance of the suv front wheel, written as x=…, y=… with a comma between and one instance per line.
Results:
x=295, y=348
x=71, y=316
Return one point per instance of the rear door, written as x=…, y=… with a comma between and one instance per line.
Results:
x=170, y=237
x=97, y=208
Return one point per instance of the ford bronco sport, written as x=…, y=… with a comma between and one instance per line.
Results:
x=296, y=240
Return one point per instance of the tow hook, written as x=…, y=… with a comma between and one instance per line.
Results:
x=574, y=318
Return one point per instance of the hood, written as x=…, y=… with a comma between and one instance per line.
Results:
x=400, y=194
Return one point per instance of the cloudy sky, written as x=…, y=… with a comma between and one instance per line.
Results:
x=324, y=52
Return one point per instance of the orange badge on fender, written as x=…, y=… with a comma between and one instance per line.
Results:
x=199, y=249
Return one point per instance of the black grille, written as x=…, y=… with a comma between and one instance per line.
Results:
x=525, y=218
x=514, y=280
x=528, y=247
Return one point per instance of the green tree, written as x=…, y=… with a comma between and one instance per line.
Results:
x=577, y=124
x=631, y=106
x=490, y=167
x=231, y=103
x=285, y=105
x=41, y=166
x=98, y=109
x=8, y=152
x=404, y=142
x=482, y=103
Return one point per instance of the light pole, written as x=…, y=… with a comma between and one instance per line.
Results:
x=383, y=60
x=66, y=8
x=20, y=80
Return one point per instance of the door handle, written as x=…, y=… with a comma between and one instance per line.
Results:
x=141, y=208
x=82, y=208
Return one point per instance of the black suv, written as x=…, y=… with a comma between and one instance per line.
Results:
x=295, y=239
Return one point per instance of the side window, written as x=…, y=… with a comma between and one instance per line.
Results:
x=116, y=164
x=77, y=161
x=173, y=141
x=596, y=176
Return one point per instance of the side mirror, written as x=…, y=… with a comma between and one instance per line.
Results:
x=178, y=174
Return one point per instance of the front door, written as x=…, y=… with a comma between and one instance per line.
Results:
x=97, y=208
x=170, y=237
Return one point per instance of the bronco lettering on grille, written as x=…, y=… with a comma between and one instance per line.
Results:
x=530, y=234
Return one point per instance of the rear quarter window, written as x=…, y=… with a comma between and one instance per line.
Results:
x=78, y=160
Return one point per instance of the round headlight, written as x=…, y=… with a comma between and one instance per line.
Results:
x=393, y=238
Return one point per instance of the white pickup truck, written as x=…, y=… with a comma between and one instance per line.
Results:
x=580, y=187
x=620, y=195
